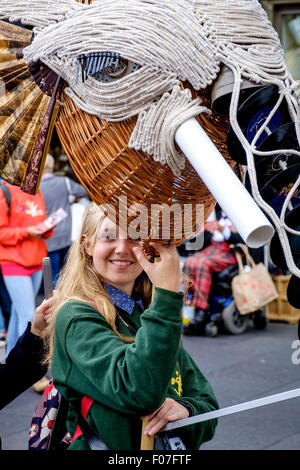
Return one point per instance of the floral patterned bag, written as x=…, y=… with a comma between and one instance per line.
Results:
x=48, y=426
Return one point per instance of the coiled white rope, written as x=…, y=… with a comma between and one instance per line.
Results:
x=37, y=13
x=155, y=130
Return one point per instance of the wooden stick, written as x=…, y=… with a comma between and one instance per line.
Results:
x=147, y=442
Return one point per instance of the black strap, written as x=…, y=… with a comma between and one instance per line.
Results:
x=131, y=328
x=59, y=429
x=132, y=331
x=93, y=439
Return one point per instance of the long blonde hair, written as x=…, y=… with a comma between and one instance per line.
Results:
x=79, y=280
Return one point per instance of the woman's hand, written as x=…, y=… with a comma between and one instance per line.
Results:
x=170, y=410
x=42, y=317
x=164, y=273
x=35, y=231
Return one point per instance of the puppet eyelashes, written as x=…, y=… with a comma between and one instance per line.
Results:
x=101, y=65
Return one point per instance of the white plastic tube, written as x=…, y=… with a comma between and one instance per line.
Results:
x=248, y=219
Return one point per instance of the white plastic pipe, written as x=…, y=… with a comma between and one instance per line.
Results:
x=248, y=219
x=229, y=410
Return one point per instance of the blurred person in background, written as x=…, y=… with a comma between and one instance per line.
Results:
x=5, y=306
x=22, y=248
x=24, y=365
x=59, y=192
x=2, y=329
x=215, y=257
x=24, y=361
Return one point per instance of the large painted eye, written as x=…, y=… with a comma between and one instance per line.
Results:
x=118, y=69
x=103, y=66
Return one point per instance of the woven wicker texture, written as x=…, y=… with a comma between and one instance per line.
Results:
x=99, y=155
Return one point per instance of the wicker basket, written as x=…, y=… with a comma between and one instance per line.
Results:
x=99, y=155
x=280, y=309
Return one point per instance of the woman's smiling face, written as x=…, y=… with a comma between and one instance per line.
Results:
x=113, y=256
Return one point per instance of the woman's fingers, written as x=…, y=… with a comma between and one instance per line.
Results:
x=166, y=272
x=149, y=417
x=141, y=257
x=44, y=308
x=46, y=303
x=48, y=318
x=158, y=420
x=169, y=411
x=163, y=249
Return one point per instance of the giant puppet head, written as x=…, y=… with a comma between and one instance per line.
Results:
x=133, y=80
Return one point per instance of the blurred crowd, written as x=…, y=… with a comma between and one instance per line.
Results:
x=25, y=239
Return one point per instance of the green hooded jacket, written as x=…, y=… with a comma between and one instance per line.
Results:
x=129, y=380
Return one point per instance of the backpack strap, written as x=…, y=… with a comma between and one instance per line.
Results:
x=71, y=196
x=86, y=404
x=83, y=428
x=59, y=428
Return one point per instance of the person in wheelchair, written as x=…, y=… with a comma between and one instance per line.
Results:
x=200, y=266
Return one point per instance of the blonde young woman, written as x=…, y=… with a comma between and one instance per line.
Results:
x=110, y=342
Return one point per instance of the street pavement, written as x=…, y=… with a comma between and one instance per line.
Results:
x=240, y=368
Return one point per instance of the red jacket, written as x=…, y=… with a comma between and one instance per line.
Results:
x=16, y=247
